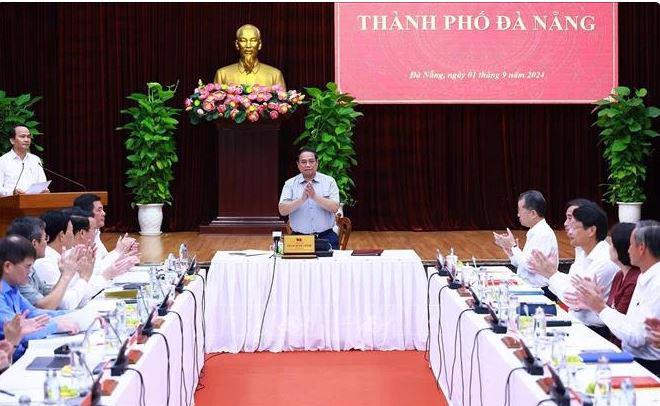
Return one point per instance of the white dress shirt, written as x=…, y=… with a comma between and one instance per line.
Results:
x=79, y=291
x=596, y=264
x=629, y=327
x=48, y=270
x=104, y=259
x=12, y=167
x=540, y=237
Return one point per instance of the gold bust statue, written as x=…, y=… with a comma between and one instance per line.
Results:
x=248, y=70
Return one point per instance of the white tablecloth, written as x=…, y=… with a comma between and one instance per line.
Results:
x=496, y=361
x=339, y=303
x=152, y=364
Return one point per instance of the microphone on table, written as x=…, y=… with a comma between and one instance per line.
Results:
x=59, y=175
x=178, y=288
x=558, y=391
x=532, y=364
x=94, y=396
x=121, y=362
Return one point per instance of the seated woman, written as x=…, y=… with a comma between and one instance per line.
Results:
x=624, y=282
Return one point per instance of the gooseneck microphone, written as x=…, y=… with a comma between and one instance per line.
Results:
x=19, y=178
x=59, y=175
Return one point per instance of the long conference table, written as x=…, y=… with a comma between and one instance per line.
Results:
x=473, y=369
x=183, y=370
x=333, y=303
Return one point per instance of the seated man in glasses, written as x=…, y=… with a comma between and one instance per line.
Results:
x=311, y=200
x=35, y=290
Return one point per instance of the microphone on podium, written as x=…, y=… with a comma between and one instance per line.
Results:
x=59, y=175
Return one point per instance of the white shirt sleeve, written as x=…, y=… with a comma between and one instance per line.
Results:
x=101, y=264
x=74, y=295
x=5, y=190
x=559, y=283
x=48, y=270
x=287, y=192
x=516, y=257
x=632, y=333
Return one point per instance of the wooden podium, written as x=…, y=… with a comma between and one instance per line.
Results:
x=248, y=180
x=35, y=205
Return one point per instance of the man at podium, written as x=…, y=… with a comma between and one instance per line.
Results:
x=19, y=169
x=311, y=200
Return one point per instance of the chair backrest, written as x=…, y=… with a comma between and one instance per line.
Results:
x=345, y=227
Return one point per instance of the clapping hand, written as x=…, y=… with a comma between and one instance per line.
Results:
x=126, y=245
x=68, y=262
x=506, y=241
x=121, y=266
x=587, y=295
x=309, y=190
x=653, y=329
x=68, y=326
x=5, y=354
x=544, y=265
x=85, y=262
x=19, y=326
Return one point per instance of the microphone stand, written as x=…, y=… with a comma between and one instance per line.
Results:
x=96, y=387
x=19, y=177
x=80, y=185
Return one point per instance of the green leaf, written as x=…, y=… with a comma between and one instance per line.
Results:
x=622, y=91
x=652, y=112
x=640, y=92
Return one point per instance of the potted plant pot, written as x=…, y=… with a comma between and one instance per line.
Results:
x=150, y=217
x=629, y=212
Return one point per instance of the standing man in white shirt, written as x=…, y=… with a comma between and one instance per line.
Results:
x=540, y=237
x=588, y=231
x=631, y=328
x=19, y=168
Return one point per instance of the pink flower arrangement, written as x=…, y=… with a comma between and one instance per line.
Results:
x=241, y=102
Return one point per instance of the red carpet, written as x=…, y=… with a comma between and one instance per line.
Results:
x=348, y=378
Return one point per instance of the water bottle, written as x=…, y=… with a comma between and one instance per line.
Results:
x=503, y=304
x=539, y=327
x=628, y=397
x=183, y=251
x=513, y=312
x=452, y=262
x=155, y=285
x=120, y=317
x=559, y=350
x=171, y=263
x=51, y=388
x=603, y=390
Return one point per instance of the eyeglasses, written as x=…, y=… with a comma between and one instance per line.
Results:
x=307, y=161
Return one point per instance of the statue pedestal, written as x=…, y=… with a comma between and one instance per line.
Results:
x=248, y=181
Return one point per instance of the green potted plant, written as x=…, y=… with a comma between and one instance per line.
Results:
x=329, y=131
x=16, y=111
x=626, y=134
x=152, y=153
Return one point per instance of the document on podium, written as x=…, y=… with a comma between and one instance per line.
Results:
x=37, y=188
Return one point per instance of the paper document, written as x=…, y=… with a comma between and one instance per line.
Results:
x=37, y=188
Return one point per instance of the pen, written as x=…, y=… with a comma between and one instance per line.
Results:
x=7, y=393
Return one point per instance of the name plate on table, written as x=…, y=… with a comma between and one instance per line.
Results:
x=298, y=246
